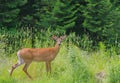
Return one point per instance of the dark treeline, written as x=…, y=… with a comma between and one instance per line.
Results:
x=98, y=19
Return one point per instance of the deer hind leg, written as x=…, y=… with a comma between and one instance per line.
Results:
x=20, y=62
x=25, y=70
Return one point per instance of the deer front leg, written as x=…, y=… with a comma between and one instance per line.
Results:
x=48, y=67
x=25, y=70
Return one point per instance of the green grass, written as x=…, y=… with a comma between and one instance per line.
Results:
x=72, y=65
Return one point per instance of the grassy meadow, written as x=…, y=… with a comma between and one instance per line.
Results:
x=71, y=65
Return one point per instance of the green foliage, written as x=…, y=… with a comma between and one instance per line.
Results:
x=15, y=39
x=83, y=42
x=2, y=46
x=95, y=15
x=81, y=73
x=98, y=19
x=63, y=16
x=9, y=11
x=101, y=19
x=114, y=71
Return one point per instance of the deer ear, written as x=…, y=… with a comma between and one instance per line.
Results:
x=63, y=37
x=54, y=37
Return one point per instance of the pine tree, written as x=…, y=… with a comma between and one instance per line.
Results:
x=79, y=6
x=95, y=15
x=9, y=11
x=112, y=30
x=102, y=19
x=64, y=15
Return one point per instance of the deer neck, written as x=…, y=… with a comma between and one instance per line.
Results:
x=57, y=47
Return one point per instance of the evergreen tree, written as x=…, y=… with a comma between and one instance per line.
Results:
x=64, y=15
x=112, y=30
x=102, y=19
x=79, y=6
x=9, y=11
x=95, y=16
x=37, y=13
x=44, y=13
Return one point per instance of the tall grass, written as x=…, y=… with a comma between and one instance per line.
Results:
x=72, y=64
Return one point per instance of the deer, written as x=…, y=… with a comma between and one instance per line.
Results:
x=28, y=55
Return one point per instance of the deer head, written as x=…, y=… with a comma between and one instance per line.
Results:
x=59, y=40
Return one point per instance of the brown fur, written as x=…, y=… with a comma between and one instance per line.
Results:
x=39, y=54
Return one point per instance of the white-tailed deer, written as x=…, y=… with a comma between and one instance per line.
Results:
x=27, y=55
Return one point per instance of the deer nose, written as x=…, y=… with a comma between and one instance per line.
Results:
x=59, y=43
